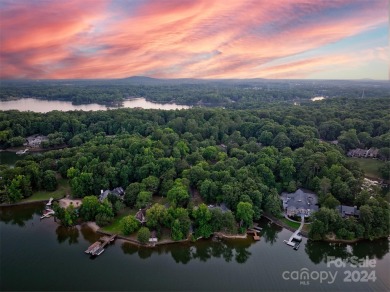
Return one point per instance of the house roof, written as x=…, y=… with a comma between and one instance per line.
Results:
x=104, y=195
x=117, y=192
x=140, y=215
x=222, y=207
x=348, y=210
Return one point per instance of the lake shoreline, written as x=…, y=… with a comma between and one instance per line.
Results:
x=280, y=223
x=107, y=104
x=272, y=219
x=305, y=234
x=29, y=202
x=163, y=242
x=35, y=150
x=29, y=241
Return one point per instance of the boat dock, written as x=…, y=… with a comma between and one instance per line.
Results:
x=93, y=248
x=50, y=201
x=295, y=236
x=254, y=232
x=258, y=228
x=47, y=213
x=97, y=248
x=21, y=152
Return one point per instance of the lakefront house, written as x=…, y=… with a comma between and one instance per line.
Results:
x=363, y=153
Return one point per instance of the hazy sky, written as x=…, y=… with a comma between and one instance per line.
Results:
x=332, y=39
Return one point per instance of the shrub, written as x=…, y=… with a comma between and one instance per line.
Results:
x=129, y=225
x=143, y=235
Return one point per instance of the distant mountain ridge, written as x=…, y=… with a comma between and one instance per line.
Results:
x=159, y=81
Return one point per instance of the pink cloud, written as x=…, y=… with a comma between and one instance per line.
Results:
x=171, y=39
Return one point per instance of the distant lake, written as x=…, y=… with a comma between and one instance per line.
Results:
x=44, y=106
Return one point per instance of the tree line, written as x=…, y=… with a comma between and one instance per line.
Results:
x=231, y=93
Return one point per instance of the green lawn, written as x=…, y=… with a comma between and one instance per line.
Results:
x=294, y=225
x=115, y=226
x=63, y=189
x=369, y=166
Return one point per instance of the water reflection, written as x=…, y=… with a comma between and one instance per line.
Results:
x=142, y=252
x=204, y=265
x=9, y=158
x=145, y=253
x=242, y=255
x=202, y=250
x=20, y=214
x=70, y=234
x=270, y=231
x=181, y=255
x=320, y=251
x=378, y=249
x=88, y=233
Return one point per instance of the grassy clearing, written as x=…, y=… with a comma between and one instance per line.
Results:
x=63, y=189
x=294, y=225
x=115, y=226
x=369, y=166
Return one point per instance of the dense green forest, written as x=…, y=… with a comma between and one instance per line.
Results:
x=251, y=93
x=240, y=158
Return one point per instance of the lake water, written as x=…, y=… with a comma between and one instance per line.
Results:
x=9, y=158
x=44, y=106
x=40, y=255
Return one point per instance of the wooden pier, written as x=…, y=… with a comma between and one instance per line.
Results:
x=50, y=201
x=97, y=248
x=47, y=213
x=93, y=248
x=21, y=152
x=295, y=236
x=254, y=232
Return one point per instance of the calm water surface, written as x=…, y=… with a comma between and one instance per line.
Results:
x=44, y=106
x=9, y=157
x=40, y=255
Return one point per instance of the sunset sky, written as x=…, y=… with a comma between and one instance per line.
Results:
x=327, y=39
